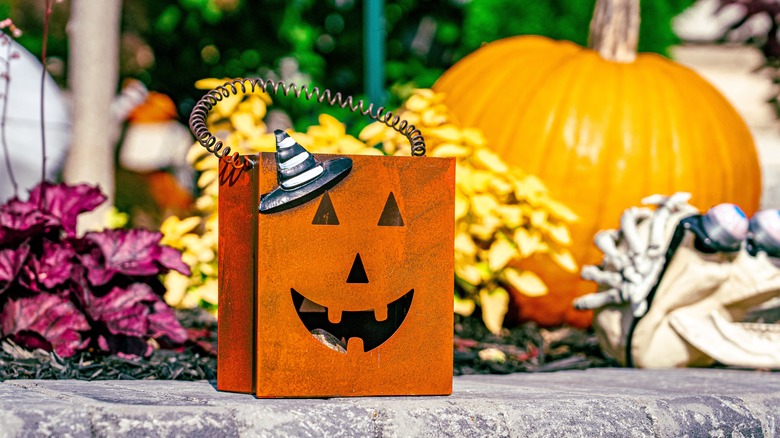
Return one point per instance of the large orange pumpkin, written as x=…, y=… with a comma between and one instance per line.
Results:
x=603, y=127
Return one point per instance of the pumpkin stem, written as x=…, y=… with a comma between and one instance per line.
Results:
x=614, y=29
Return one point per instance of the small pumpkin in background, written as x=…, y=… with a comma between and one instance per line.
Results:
x=603, y=127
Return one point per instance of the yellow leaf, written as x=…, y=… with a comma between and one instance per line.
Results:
x=329, y=129
x=492, y=355
x=261, y=143
x=369, y=151
x=477, y=180
x=228, y=105
x=207, y=177
x=559, y=234
x=500, y=187
x=351, y=145
x=209, y=291
x=431, y=117
x=538, y=218
x=511, y=214
x=483, y=205
x=115, y=219
x=427, y=93
x=494, y=307
x=448, y=133
x=526, y=282
x=564, y=259
x=416, y=103
x=373, y=133
x=527, y=242
x=461, y=206
x=253, y=105
x=209, y=83
x=464, y=306
x=464, y=245
x=176, y=287
x=205, y=203
x=535, y=183
x=500, y=253
x=470, y=274
x=473, y=137
x=208, y=162
x=559, y=210
x=208, y=269
x=174, y=228
x=450, y=150
x=244, y=123
x=485, y=228
x=195, y=153
x=489, y=160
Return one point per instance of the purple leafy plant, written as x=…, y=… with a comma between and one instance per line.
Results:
x=65, y=293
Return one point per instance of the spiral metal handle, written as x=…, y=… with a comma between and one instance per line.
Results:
x=215, y=146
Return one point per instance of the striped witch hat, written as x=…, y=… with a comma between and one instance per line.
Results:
x=301, y=178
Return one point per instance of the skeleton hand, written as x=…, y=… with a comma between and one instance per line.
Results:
x=705, y=271
x=634, y=256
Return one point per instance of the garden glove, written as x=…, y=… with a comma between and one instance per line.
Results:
x=673, y=282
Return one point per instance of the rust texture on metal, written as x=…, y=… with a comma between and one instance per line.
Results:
x=352, y=291
x=237, y=264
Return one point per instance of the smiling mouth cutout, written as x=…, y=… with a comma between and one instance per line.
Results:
x=370, y=326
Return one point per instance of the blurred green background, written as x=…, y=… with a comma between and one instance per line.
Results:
x=170, y=44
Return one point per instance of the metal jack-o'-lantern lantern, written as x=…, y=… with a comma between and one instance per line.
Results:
x=335, y=272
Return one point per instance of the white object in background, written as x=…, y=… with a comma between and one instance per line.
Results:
x=23, y=125
x=703, y=22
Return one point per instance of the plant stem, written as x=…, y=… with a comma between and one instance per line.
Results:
x=4, y=117
x=614, y=29
x=47, y=14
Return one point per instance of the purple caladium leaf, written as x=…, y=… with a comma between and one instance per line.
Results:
x=163, y=322
x=11, y=261
x=123, y=311
x=52, y=318
x=20, y=220
x=64, y=293
x=129, y=252
x=64, y=202
x=170, y=258
x=53, y=267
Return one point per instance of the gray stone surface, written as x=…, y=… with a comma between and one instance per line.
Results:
x=598, y=402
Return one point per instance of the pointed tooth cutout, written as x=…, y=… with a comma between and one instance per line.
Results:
x=325, y=215
x=358, y=273
x=311, y=307
x=391, y=215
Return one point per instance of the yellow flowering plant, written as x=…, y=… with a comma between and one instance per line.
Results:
x=502, y=214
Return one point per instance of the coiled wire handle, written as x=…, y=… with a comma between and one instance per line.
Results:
x=210, y=99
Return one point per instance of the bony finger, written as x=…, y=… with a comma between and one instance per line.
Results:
x=598, y=300
x=606, y=242
x=594, y=273
x=628, y=226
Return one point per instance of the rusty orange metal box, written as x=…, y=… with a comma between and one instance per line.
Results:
x=368, y=264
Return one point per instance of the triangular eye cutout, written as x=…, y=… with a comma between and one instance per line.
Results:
x=325, y=215
x=391, y=215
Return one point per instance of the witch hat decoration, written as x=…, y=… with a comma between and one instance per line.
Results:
x=301, y=178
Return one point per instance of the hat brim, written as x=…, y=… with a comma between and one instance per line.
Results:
x=281, y=199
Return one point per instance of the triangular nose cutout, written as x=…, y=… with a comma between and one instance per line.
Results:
x=325, y=215
x=391, y=215
x=358, y=273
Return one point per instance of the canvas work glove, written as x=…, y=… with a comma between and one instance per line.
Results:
x=674, y=286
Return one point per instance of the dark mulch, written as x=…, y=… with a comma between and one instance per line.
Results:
x=526, y=348
x=195, y=361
